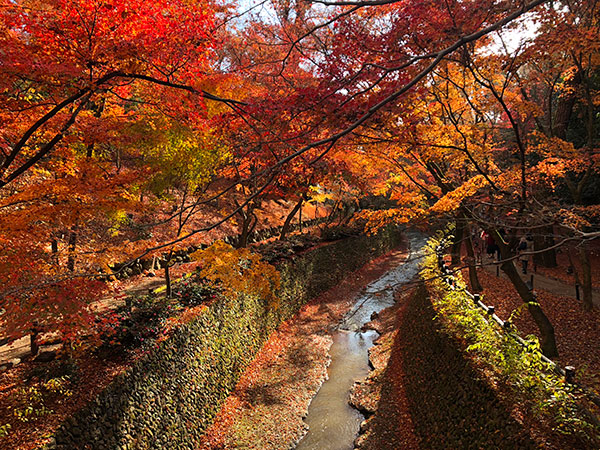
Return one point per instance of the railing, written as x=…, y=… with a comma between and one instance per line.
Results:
x=136, y=267
x=568, y=372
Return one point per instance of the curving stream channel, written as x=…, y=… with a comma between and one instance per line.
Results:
x=333, y=423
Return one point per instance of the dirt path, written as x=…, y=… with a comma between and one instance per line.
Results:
x=19, y=349
x=542, y=282
x=265, y=410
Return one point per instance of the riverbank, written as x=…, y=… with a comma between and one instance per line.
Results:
x=381, y=397
x=266, y=409
x=425, y=393
x=167, y=393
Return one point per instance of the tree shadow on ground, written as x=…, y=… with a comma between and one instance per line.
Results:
x=448, y=403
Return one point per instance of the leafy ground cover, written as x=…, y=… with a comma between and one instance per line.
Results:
x=382, y=395
x=426, y=393
x=575, y=329
x=36, y=397
x=84, y=381
x=563, y=262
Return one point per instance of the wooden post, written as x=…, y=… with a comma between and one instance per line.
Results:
x=33, y=339
x=570, y=374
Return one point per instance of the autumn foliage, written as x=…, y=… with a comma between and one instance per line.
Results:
x=132, y=130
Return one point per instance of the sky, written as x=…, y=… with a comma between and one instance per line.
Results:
x=512, y=39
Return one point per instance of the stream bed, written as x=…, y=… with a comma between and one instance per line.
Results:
x=333, y=423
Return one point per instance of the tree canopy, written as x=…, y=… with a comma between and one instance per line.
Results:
x=121, y=121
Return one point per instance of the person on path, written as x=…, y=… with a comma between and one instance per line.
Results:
x=491, y=246
x=522, y=248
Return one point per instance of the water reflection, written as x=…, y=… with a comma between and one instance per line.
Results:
x=333, y=423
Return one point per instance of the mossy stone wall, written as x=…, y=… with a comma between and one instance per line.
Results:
x=167, y=399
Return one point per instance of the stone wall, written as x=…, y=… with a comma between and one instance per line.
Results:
x=167, y=399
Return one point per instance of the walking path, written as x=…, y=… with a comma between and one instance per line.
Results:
x=12, y=353
x=544, y=283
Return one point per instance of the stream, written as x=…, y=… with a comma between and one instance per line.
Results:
x=333, y=423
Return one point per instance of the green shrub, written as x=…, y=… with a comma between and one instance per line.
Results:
x=31, y=401
x=139, y=325
x=59, y=368
x=193, y=292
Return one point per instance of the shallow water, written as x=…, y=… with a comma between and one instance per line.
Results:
x=333, y=423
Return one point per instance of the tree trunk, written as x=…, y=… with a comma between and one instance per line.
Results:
x=473, y=278
x=548, y=339
x=168, y=276
x=54, y=246
x=540, y=242
x=564, y=110
x=331, y=215
x=584, y=258
x=549, y=255
x=456, y=246
x=90, y=150
x=248, y=225
x=288, y=220
x=243, y=237
x=98, y=109
x=33, y=343
x=72, y=247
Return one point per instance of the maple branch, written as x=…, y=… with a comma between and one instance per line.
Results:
x=439, y=56
x=238, y=15
x=46, y=117
x=184, y=87
x=320, y=156
x=465, y=147
x=46, y=148
x=397, y=163
x=221, y=221
x=311, y=31
x=271, y=172
x=515, y=126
